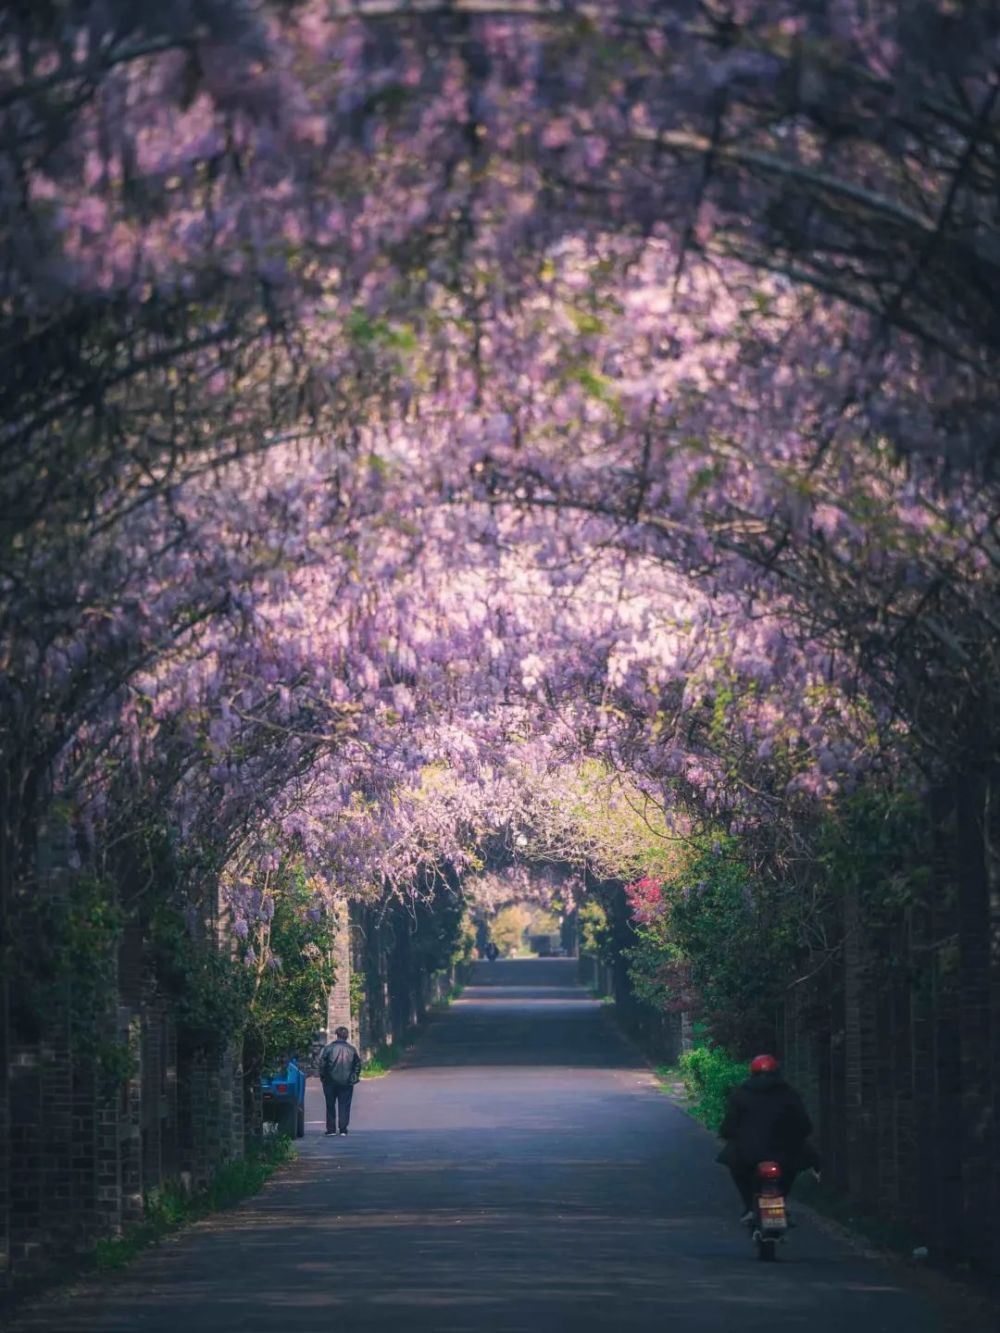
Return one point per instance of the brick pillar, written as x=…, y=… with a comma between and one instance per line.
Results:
x=237, y=1106
x=35, y=1045
x=26, y=1149
x=212, y=1114
x=169, y=1153
x=338, y=1009
x=55, y=1163
x=150, y=1105
x=83, y=1168
x=130, y=1128
x=107, y=1175
x=5, y=1163
x=195, y=1096
x=226, y=1108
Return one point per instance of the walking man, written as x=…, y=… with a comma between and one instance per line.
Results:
x=339, y=1070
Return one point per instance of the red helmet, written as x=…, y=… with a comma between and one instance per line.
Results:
x=763, y=1064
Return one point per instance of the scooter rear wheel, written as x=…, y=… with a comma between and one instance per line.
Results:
x=767, y=1251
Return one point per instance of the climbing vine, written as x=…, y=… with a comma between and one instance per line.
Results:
x=72, y=972
x=287, y=959
x=209, y=988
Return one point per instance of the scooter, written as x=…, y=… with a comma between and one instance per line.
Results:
x=769, y=1224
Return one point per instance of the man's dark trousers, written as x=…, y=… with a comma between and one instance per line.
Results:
x=338, y=1105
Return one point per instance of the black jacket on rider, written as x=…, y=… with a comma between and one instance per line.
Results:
x=766, y=1119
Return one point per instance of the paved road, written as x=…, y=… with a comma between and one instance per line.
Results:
x=521, y=1173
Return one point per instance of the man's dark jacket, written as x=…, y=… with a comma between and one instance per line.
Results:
x=339, y=1063
x=766, y=1119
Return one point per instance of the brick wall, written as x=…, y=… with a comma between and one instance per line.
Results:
x=83, y=1152
x=26, y=1140
x=5, y=1155
x=56, y=1227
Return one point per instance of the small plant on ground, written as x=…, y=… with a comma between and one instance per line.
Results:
x=381, y=1061
x=710, y=1075
x=388, y=1055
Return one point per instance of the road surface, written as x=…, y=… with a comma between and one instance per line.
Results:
x=521, y=1172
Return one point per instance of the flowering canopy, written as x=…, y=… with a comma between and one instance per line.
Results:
x=393, y=391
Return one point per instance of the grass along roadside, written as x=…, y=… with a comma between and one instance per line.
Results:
x=699, y=1084
x=384, y=1058
x=167, y=1210
x=707, y=1075
x=171, y=1208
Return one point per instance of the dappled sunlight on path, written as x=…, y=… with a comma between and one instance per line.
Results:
x=520, y=1172
x=524, y=1012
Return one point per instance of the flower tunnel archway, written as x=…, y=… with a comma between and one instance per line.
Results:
x=427, y=423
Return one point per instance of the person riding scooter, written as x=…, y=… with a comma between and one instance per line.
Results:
x=764, y=1121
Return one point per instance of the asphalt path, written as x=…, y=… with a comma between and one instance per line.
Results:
x=520, y=1172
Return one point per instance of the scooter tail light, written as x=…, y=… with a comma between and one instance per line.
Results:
x=768, y=1170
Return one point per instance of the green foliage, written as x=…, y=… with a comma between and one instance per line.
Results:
x=727, y=943
x=210, y=990
x=659, y=974
x=508, y=927
x=465, y=945
x=597, y=386
x=878, y=844
x=596, y=936
x=740, y=941
x=441, y=937
x=710, y=1075
x=713, y=939
x=542, y=922
x=70, y=970
x=586, y=323
x=169, y=1208
x=611, y=822
x=381, y=1061
x=367, y=331
x=293, y=974
x=741, y=937
x=387, y=1056
x=356, y=989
